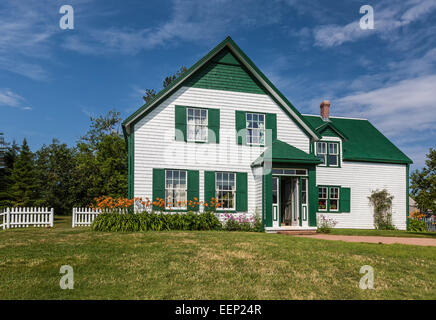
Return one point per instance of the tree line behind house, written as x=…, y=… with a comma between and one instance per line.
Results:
x=63, y=177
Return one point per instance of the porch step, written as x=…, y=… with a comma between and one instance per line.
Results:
x=296, y=232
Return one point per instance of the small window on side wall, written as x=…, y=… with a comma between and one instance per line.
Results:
x=322, y=198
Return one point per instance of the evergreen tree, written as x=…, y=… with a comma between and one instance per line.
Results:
x=56, y=166
x=24, y=186
x=8, y=158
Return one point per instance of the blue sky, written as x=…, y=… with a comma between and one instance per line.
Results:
x=52, y=80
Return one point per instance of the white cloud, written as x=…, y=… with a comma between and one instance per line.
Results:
x=192, y=21
x=388, y=16
x=399, y=109
x=12, y=99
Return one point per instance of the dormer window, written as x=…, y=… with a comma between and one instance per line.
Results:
x=321, y=151
x=333, y=154
x=328, y=153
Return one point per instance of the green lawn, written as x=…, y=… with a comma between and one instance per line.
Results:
x=206, y=265
x=383, y=233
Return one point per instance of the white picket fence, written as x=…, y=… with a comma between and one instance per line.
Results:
x=83, y=217
x=26, y=217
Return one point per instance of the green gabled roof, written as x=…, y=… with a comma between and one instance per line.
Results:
x=240, y=57
x=282, y=152
x=364, y=142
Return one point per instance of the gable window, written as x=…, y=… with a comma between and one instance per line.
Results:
x=328, y=153
x=197, y=125
x=334, y=199
x=322, y=198
x=175, y=189
x=255, y=128
x=226, y=190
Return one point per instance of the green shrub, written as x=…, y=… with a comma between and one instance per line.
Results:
x=155, y=222
x=416, y=225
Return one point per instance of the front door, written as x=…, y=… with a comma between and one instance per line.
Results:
x=290, y=205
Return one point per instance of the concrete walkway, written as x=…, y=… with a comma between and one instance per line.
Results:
x=374, y=239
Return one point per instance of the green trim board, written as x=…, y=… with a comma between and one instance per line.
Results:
x=241, y=58
x=364, y=142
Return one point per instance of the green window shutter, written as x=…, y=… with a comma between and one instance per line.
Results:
x=209, y=187
x=271, y=123
x=193, y=189
x=241, y=192
x=180, y=123
x=158, y=186
x=214, y=125
x=241, y=125
x=345, y=200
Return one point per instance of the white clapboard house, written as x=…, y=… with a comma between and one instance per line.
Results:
x=222, y=130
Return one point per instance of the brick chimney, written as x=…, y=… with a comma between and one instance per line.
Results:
x=325, y=110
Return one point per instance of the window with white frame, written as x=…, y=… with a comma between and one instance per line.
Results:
x=197, y=124
x=226, y=190
x=175, y=189
x=322, y=198
x=334, y=199
x=333, y=154
x=255, y=128
x=321, y=151
x=328, y=153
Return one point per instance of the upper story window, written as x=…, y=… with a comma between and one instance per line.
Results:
x=197, y=124
x=226, y=190
x=175, y=189
x=255, y=129
x=328, y=152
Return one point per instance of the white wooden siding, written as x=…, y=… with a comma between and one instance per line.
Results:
x=362, y=178
x=155, y=146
